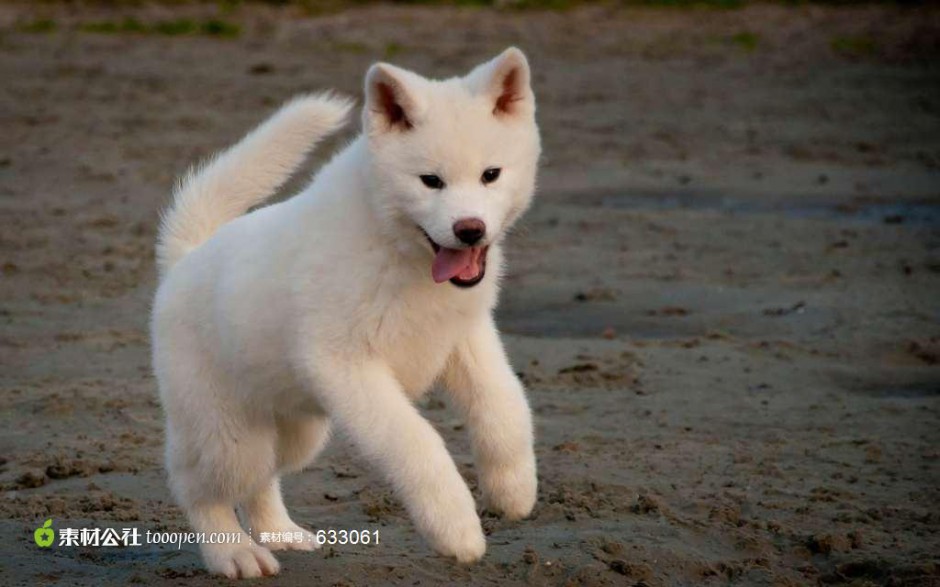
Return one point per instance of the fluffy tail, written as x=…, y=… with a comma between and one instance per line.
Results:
x=245, y=175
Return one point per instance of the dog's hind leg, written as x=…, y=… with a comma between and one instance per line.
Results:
x=219, y=453
x=212, y=470
x=266, y=513
x=242, y=559
x=299, y=440
x=208, y=480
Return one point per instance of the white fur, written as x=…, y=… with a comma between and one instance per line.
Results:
x=269, y=326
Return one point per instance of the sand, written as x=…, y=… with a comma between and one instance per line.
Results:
x=724, y=302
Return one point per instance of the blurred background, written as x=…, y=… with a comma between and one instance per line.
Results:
x=725, y=302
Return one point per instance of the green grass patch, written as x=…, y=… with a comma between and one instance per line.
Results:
x=220, y=28
x=854, y=46
x=392, y=50
x=175, y=27
x=38, y=27
x=562, y=5
x=746, y=40
x=535, y=4
x=721, y=4
x=128, y=25
x=171, y=28
x=350, y=47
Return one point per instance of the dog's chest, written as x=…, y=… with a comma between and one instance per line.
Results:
x=416, y=339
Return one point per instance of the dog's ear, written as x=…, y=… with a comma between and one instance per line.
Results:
x=506, y=82
x=393, y=101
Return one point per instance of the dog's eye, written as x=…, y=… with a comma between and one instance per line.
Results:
x=490, y=175
x=433, y=182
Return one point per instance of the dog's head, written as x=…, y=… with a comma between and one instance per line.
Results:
x=453, y=161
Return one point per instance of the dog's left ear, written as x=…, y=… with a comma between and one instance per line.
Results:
x=506, y=82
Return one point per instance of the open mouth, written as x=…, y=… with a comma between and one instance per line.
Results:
x=462, y=267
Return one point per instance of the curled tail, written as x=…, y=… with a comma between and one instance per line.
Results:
x=246, y=174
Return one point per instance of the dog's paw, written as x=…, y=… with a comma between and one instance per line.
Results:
x=462, y=541
x=240, y=561
x=292, y=537
x=511, y=491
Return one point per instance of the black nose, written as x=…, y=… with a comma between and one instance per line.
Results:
x=469, y=230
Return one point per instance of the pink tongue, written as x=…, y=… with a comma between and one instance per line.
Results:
x=448, y=263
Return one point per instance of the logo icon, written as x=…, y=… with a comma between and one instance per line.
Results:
x=44, y=535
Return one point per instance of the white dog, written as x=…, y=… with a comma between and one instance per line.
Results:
x=345, y=303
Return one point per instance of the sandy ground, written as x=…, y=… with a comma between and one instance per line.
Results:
x=725, y=302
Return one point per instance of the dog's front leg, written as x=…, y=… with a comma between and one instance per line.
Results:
x=365, y=399
x=482, y=382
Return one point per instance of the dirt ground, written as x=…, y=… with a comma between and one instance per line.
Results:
x=725, y=303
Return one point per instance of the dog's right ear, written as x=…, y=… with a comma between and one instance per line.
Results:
x=393, y=100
